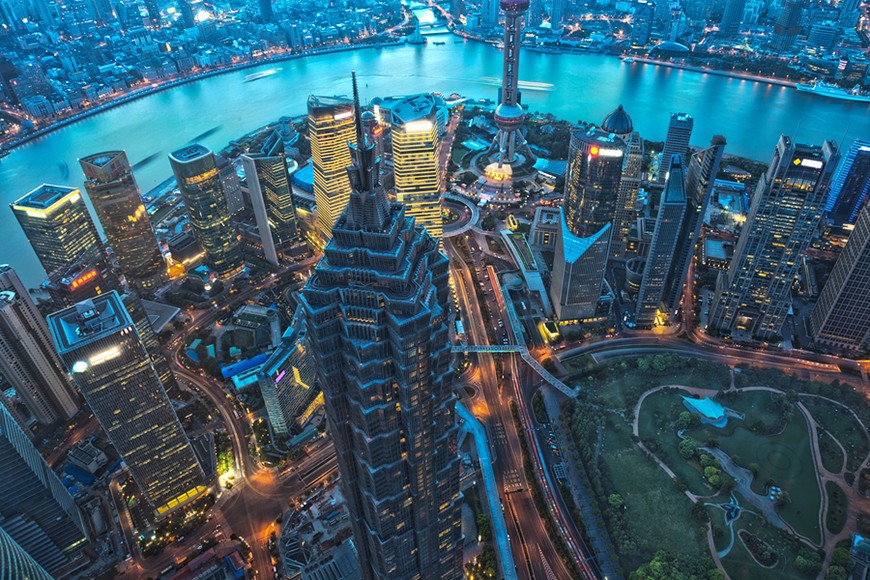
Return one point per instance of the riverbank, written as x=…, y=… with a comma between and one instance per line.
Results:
x=9, y=146
x=711, y=71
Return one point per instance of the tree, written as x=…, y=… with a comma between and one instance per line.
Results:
x=836, y=573
x=841, y=557
x=616, y=501
x=687, y=448
x=808, y=562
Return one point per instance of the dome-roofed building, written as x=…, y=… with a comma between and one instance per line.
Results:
x=672, y=47
x=618, y=122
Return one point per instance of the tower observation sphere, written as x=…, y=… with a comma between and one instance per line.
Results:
x=509, y=116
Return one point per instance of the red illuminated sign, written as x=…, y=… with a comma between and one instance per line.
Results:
x=594, y=150
x=83, y=279
x=377, y=131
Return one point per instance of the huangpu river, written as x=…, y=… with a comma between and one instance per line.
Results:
x=218, y=109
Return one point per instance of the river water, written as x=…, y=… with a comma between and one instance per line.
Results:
x=575, y=87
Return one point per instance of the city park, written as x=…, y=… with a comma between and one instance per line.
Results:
x=696, y=464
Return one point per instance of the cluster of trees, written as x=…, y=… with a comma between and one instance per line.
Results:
x=484, y=566
x=763, y=552
x=554, y=137
x=808, y=562
x=713, y=473
x=669, y=566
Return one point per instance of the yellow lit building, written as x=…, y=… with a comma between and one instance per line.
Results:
x=416, y=154
x=56, y=221
x=330, y=128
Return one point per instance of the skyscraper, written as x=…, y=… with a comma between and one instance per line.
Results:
x=287, y=379
x=271, y=196
x=27, y=356
x=642, y=24
x=265, y=11
x=509, y=116
x=578, y=273
x=732, y=17
x=841, y=317
x=676, y=142
x=416, y=155
x=489, y=13
x=788, y=25
x=117, y=200
x=56, y=221
x=754, y=296
x=595, y=160
x=850, y=188
x=663, y=249
x=36, y=510
x=17, y=562
x=377, y=310
x=700, y=175
x=330, y=129
x=619, y=123
x=557, y=10
x=200, y=186
x=101, y=347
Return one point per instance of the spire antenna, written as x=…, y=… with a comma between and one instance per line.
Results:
x=360, y=138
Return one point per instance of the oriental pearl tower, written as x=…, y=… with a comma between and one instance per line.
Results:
x=509, y=115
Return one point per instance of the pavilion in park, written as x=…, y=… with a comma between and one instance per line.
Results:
x=710, y=412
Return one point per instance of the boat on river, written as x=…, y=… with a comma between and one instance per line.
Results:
x=832, y=91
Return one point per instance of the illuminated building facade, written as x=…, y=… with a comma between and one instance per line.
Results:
x=27, y=356
x=732, y=18
x=595, y=160
x=271, y=196
x=102, y=349
x=36, y=510
x=377, y=308
x=700, y=176
x=754, y=296
x=577, y=280
x=330, y=129
x=416, y=154
x=201, y=189
x=117, y=200
x=287, y=379
x=676, y=142
x=624, y=216
x=850, y=189
x=56, y=221
x=18, y=562
x=663, y=249
x=841, y=317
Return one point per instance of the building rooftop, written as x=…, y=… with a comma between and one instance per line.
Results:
x=45, y=196
x=718, y=249
x=412, y=108
x=101, y=159
x=88, y=321
x=618, y=122
x=325, y=104
x=190, y=153
x=159, y=314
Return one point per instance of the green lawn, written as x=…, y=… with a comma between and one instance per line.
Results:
x=785, y=458
x=842, y=425
x=832, y=455
x=837, y=507
x=740, y=565
x=717, y=517
x=656, y=419
x=660, y=516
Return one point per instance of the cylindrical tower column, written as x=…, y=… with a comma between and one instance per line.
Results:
x=509, y=115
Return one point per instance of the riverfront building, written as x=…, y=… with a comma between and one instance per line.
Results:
x=663, y=250
x=271, y=196
x=103, y=351
x=117, y=200
x=841, y=317
x=377, y=308
x=56, y=221
x=27, y=356
x=36, y=510
x=330, y=128
x=676, y=142
x=416, y=155
x=200, y=185
x=754, y=296
x=595, y=160
x=850, y=189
